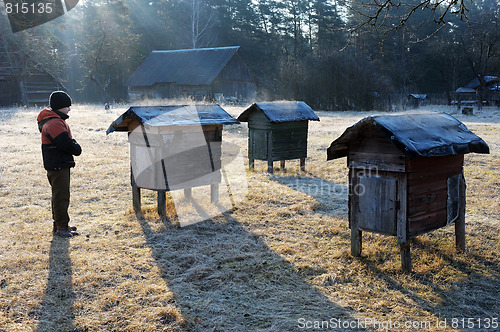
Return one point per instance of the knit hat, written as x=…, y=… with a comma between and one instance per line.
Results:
x=59, y=99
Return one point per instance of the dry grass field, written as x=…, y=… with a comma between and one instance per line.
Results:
x=279, y=261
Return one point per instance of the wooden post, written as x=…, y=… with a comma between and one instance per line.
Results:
x=251, y=160
x=270, y=152
x=401, y=223
x=162, y=203
x=136, y=193
x=270, y=166
x=356, y=234
x=405, y=257
x=356, y=240
x=136, y=198
x=302, y=164
x=460, y=222
x=214, y=193
x=282, y=165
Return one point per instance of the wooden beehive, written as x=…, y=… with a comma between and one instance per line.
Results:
x=277, y=131
x=406, y=176
x=173, y=147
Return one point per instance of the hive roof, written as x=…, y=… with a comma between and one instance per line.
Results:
x=417, y=135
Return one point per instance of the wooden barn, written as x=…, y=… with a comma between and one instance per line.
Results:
x=277, y=131
x=202, y=74
x=22, y=80
x=173, y=147
x=406, y=176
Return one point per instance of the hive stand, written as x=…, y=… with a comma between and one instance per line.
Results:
x=402, y=239
x=162, y=197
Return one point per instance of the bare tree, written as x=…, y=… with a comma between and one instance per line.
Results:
x=201, y=22
x=481, y=47
x=385, y=16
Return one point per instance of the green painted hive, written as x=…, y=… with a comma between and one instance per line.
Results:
x=277, y=131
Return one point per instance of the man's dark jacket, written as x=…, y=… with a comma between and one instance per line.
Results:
x=58, y=146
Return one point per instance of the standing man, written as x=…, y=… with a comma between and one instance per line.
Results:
x=58, y=149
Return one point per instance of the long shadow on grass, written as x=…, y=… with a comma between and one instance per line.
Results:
x=227, y=279
x=475, y=295
x=56, y=310
x=333, y=197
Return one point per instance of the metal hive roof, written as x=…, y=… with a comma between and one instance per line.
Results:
x=172, y=115
x=184, y=67
x=281, y=111
x=417, y=135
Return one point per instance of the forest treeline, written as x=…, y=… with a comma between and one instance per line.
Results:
x=332, y=54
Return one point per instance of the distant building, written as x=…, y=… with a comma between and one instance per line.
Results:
x=415, y=100
x=490, y=93
x=202, y=74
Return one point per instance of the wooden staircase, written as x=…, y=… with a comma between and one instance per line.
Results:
x=37, y=86
x=22, y=80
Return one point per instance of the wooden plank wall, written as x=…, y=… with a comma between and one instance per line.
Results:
x=290, y=140
x=377, y=204
x=376, y=152
x=428, y=191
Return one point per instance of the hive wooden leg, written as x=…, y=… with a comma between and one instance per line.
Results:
x=136, y=198
x=356, y=241
x=251, y=160
x=282, y=165
x=270, y=152
x=162, y=203
x=460, y=222
x=302, y=164
x=405, y=257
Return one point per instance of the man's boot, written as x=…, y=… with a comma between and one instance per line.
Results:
x=63, y=230
x=71, y=228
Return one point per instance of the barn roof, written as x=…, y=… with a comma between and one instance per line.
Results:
x=417, y=135
x=281, y=111
x=492, y=83
x=198, y=66
x=172, y=115
x=474, y=83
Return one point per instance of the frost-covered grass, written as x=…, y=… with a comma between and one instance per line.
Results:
x=279, y=260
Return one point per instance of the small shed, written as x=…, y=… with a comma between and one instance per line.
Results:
x=173, y=147
x=278, y=131
x=406, y=176
x=416, y=100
